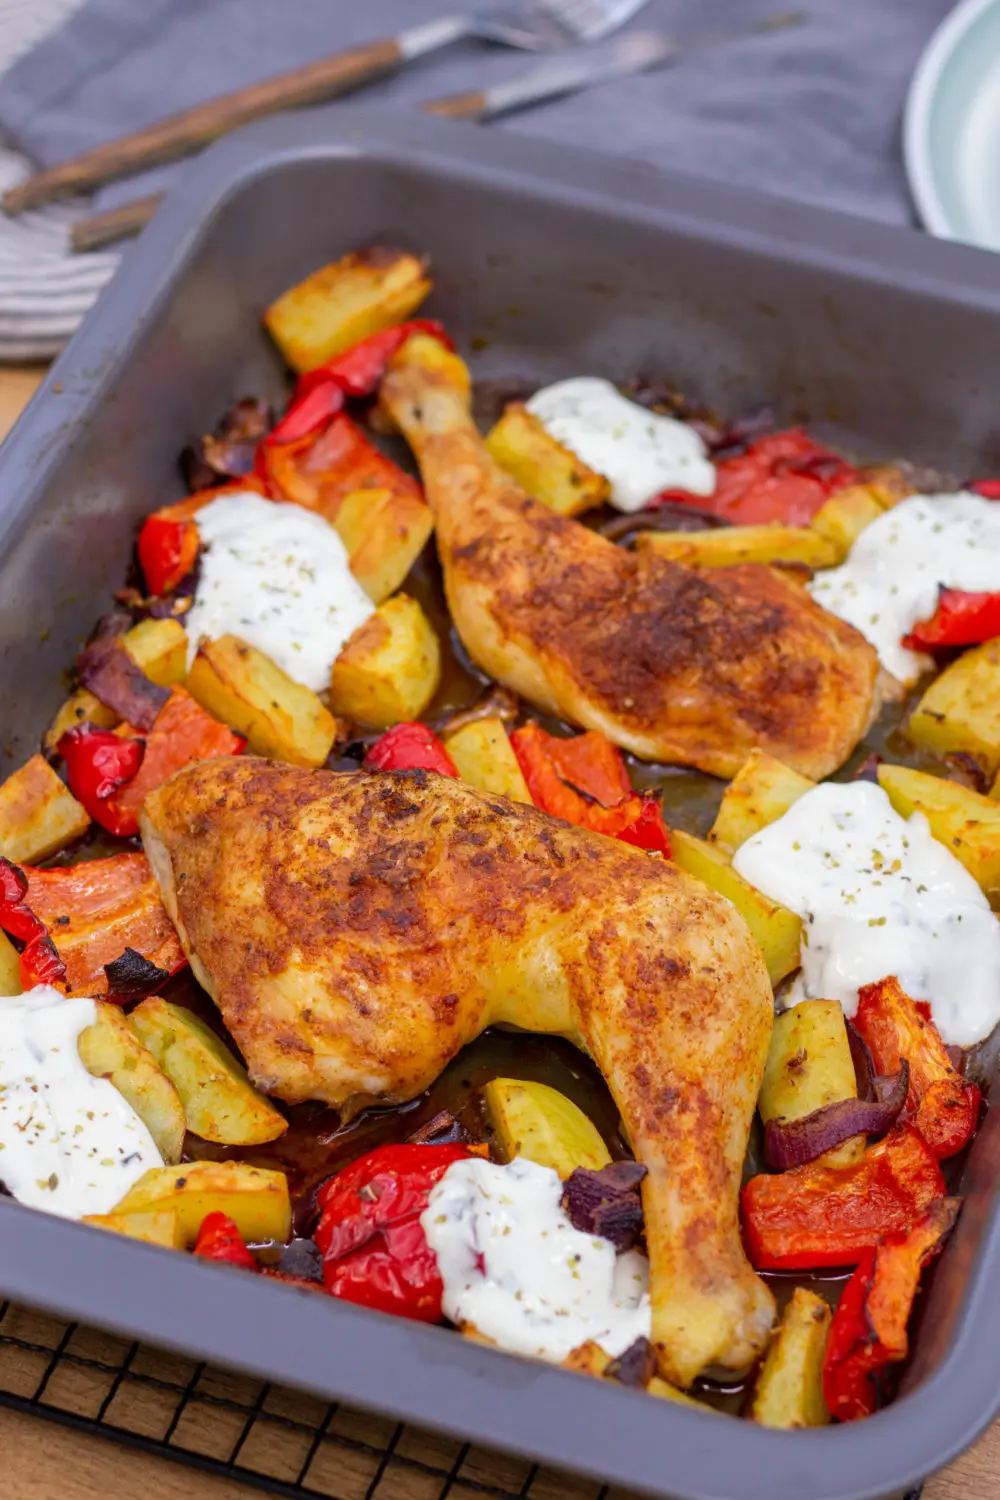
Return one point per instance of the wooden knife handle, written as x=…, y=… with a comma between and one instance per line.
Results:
x=458, y=106
x=181, y=134
x=98, y=230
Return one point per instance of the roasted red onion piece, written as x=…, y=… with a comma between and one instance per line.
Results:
x=670, y=515
x=131, y=976
x=496, y=703
x=607, y=1202
x=441, y=1129
x=228, y=452
x=112, y=676
x=792, y=1143
x=636, y=1367
x=864, y=1066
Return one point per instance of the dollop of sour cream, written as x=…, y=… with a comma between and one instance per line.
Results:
x=277, y=576
x=69, y=1142
x=879, y=896
x=515, y=1269
x=638, y=451
x=891, y=578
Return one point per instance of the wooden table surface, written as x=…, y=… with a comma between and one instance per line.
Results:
x=42, y=1461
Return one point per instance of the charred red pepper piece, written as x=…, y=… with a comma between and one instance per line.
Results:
x=816, y=1216
x=374, y=1250
x=583, y=780
x=961, y=619
x=219, y=1239
x=182, y=732
x=41, y=964
x=783, y=476
x=869, y=1329
x=409, y=747
x=167, y=551
x=940, y=1103
x=320, y=393
x=98, y=762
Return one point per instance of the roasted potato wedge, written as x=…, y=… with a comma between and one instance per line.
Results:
x=384, y=532
x=245, y=689
x=111, y=1049
x=542, y=466
x=485, y=759
x=742, y=544
x=38, y=814
x=761, y=792
x=776, y=930
x=964, y=821
x=591, y=1359
x=390, y=668
x=789, y=1390
x=960, y=711
x=10, y=967
x=535, y=1121
x=809, y=1065
x=845, y=515
x=220, y=1103
x=254, y=1198
x=157, y=1227
x=159, y=647
x=345, y=302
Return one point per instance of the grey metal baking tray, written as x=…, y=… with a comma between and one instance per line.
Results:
x=548, y=262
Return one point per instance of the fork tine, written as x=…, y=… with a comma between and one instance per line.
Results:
x=590, y=20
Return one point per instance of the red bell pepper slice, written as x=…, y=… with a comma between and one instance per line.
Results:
x=98, y=762
x=182, y=732
x=988, y=488
x=320, y=470
x=219, y=1239
x=583, y=780
x=869, y=1329
x=815, y=1216
x=961, y=619
x=409, y=747
x=784, y=476
x=374, y=1251
x=941, y=1104
x=320, y=393
x=92, y=912
x=167, y=549
x=40, y=963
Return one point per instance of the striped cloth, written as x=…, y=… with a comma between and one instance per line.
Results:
x=45, y=290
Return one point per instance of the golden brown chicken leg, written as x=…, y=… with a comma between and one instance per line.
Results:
x=357, y=930
x=671, y=663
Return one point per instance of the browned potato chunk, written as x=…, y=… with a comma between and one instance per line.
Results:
x=485, y=758
x=245, y=689
x=220, y=1103
x=111, y=1049
x=809, y=1065
x=776, y=930
x=789, y=1390
x=536, y=1121
x=384, y=532
x=845, y=515
x=157, y=1227
x=10, y=967
x=254, y=1198
x=542, y=466
x=741, y=544
x=591, y=1359
x=38, y=814
x=960, y=711
x=390, y=668
x=159, y=647
x=965, y=822
x=760, y=793
x=345, y=302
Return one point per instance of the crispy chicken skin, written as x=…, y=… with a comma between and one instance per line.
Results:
x=674, y=664
x=357, y=930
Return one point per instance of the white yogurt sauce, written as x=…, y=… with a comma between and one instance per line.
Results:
x=277, y=576
x=639, y=452
x=516, y=1270
x=69, y=1142
x=879, y=896
x=892, y=574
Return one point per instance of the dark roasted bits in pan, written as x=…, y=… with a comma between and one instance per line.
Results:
x=636, y=1367
x=228, y=452
x=441, y=1129
x=607, y=1202
x=131, y=976
x=302, y=1258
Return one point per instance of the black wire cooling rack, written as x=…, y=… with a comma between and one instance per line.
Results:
x=280, y=1440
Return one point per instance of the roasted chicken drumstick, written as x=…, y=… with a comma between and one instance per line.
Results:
x=671, y=663
x=357, y=930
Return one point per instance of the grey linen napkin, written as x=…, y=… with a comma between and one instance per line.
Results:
x=811, y=113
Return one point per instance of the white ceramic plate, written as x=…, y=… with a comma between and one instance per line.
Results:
x=951, y=132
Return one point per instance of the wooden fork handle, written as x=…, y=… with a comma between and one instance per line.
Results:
x=98, y=230
x=458, y=106
x=181, y=134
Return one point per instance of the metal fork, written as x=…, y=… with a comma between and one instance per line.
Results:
x=533, y=25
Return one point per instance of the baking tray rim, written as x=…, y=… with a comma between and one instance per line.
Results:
x=412, y=1372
